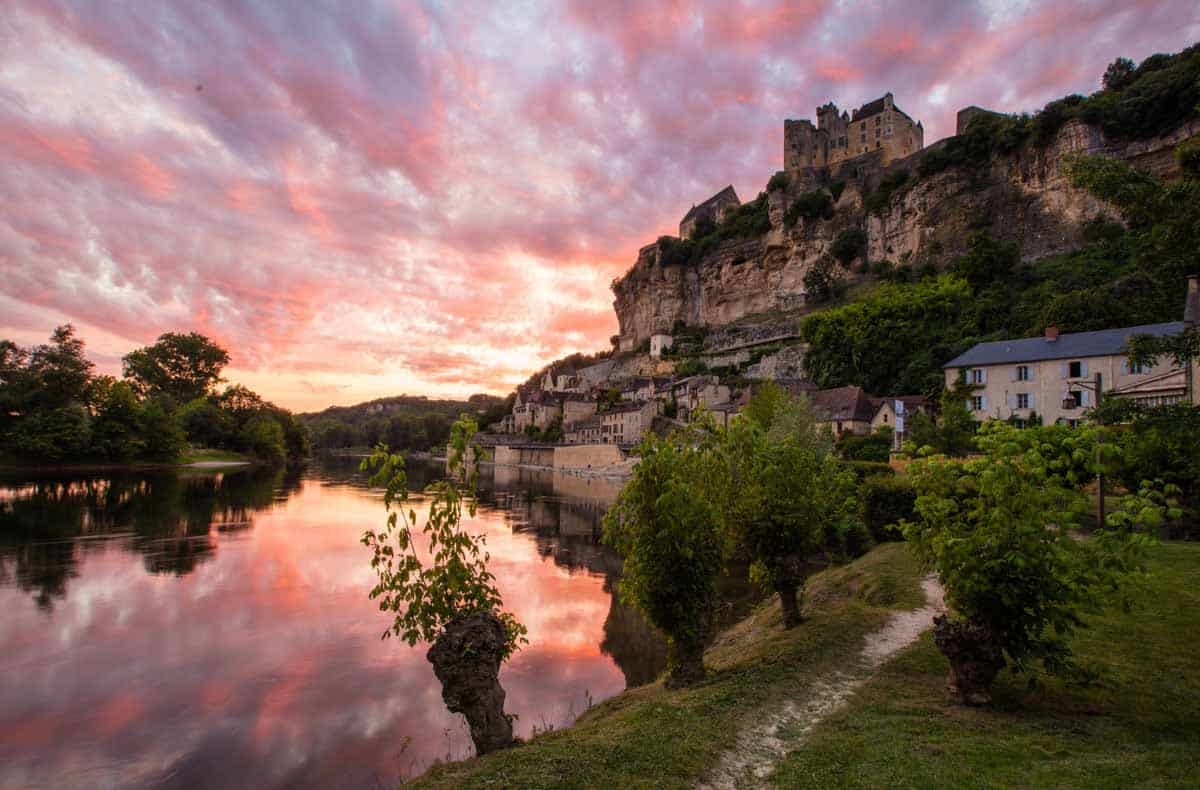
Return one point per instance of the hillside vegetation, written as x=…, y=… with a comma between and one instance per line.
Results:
x=403, y=422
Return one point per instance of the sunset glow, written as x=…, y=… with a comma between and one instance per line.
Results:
x=360, y=200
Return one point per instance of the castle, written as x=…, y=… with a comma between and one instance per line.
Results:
x=876, y=126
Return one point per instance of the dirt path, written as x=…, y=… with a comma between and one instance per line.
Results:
x=760, y=748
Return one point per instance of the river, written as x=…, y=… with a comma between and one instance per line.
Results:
x=209, y=629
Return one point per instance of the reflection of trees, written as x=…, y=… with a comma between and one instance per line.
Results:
x=637, y=647
x=170, y=516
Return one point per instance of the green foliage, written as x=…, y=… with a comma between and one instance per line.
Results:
x=1118, y=74
x=835, y=190
x=59, y=434
x=692, y=366
x=748, y=221
x=891, y=343
x=987, y=261
x=889, y=186
x=262, y=437
x=810, y=206
x=778, y=181
x=864, y=470
x=206, y=425
x=875, y=446
x=884, y=503
x=57, y=374
x=162, y=434
x=786, y=499
x=180, y=367
x=1188, y=157
x=997, y=530
x=1162, y=444
x=427, y=589
x=671, y=541
x=403, y=422
x=850, y=244
x=118, y=429
x=823, y=282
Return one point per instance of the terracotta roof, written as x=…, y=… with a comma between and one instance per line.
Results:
x=843, y=403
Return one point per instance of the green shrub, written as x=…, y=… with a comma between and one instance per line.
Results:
x=890, y=185
x=850, y=244
x=885, y=501
x=868, y=469
x=1188, y=156
x=811, y=206
x=866, y=447
x=778, y=181
x=836, y=189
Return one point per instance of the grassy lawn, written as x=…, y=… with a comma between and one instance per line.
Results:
x=650, y=737
x=1139, y=727
x=204, y=455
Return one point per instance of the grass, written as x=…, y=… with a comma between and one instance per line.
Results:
x=197, y=455
x=651, y=737
x=1140, y=726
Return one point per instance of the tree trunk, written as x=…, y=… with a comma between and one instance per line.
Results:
x=973, y=648
x=789, y=602
x=685, y=662
x=466, y=659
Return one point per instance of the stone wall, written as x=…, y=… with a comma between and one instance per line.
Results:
x=588, y=456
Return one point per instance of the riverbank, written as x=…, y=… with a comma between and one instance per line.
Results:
x=191, y=459
x=1139, y=726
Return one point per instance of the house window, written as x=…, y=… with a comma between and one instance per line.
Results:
x=1022, y=400
x=977, y=403
x=1077, y=396
x=977, y=376
x=1138, y=367
x=1022, y=373
x=1076, y=370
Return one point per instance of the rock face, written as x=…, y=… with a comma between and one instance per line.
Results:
x=1024, y=197
x=466, y=659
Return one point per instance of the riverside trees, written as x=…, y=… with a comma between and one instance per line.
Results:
x=445, y=595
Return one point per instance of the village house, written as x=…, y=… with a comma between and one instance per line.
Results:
x=892, y=413
x=576, y=406
x=640, y=389
x=538, y=409
x=659, y=343
x=624, y=423
x=697, y=392
x=1054, y=376
x=844, y=409
x=585, y=431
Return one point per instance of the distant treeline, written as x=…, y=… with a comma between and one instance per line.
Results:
x=405, y=422
x=54, y=408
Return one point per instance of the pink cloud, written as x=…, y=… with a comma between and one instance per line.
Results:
x=358, y=201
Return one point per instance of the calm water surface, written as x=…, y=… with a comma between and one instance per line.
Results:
x=199, y=629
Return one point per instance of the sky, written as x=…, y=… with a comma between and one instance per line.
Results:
x=362, y=199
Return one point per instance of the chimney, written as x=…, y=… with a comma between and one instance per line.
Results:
x=1051, y=333
x=1191, y=304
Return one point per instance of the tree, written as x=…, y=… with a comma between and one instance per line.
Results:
x=262, y=437
x=181, y=367
x=59, y=374
x=786, y=499
x=161, y=430
x=206, y=425
x=446, y=595
x=670, y=538
x=1118, y=74
x=997, y=530
x=118, y=428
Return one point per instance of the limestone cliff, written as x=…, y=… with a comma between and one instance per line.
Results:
x=1023, y=197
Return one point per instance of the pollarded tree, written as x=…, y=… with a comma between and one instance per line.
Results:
x=998, y=532
x=445, y=595
x=668, y=532
x=784, y=494
x=181, y=367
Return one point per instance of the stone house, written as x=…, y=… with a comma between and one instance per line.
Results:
x=538, y=409
x=878, y=125
x=844, y=409
x=695, y=392
x=577, y=407
x=624, y=423
x=659, y=343
x=585, y=431
x=1050, y=375
x=892, y=412
x=712, y=210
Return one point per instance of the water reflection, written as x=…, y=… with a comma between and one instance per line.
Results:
x=213, y=629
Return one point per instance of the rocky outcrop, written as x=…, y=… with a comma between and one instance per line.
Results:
x=1025, y=198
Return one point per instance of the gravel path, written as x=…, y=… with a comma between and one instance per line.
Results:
x=760, y=748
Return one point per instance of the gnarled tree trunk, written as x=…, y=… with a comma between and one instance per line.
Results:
x=466, y=659
x=685, y=662
x=789, y=577
x=973, y=648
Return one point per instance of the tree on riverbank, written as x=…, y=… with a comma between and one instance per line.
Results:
x=54, y=408
x=448, y=598
x=669, y=533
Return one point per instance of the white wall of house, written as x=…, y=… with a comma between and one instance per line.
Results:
x=1040, y=386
